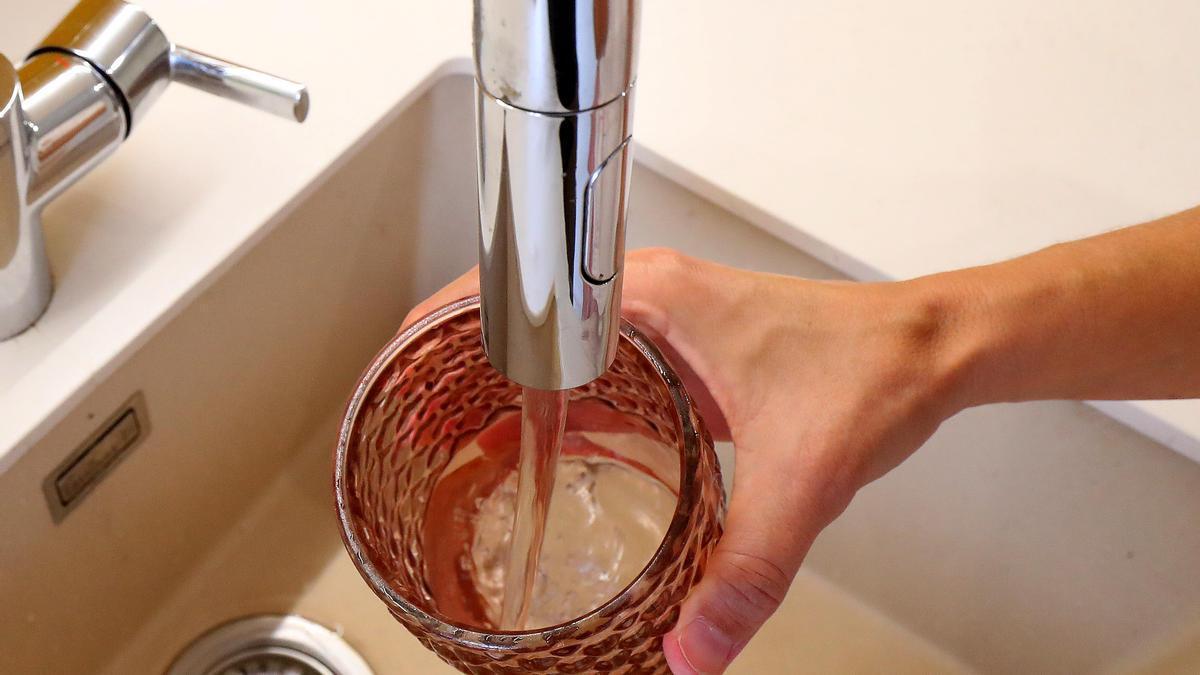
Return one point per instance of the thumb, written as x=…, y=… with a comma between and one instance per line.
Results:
x=746, y=579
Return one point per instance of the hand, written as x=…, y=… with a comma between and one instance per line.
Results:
x=821, y=386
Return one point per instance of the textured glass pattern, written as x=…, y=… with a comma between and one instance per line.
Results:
x=427, y=395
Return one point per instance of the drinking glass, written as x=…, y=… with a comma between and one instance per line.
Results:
x=422, y=403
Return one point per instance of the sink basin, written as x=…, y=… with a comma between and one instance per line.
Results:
x=1023, y=538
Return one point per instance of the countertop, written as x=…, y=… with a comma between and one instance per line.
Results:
x=889, y=139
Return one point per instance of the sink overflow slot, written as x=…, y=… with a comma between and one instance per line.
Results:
x=83, y=469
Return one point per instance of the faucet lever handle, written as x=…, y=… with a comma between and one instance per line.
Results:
x=254, y=88
x=122, y=41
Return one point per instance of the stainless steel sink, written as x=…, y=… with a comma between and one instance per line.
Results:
x=1025, y=538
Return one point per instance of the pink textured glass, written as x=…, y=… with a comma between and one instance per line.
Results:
x=425, y=396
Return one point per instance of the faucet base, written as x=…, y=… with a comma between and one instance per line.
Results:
x=25, y=283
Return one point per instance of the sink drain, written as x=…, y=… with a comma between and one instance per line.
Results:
x=271, y=661
x=269, y=645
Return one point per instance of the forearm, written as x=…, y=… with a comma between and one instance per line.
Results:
x=1115, y=316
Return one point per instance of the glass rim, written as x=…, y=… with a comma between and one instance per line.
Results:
x=687, y=426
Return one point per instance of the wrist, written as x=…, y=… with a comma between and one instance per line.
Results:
x=955, y=337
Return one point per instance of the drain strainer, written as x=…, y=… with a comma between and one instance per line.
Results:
x=269, y=645
x=270, y=661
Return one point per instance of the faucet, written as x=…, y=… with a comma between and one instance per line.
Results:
x=554, y=98
x=76, y=97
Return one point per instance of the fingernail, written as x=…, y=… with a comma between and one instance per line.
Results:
x=707, y=650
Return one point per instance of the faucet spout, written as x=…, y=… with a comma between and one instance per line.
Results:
x=554, y=95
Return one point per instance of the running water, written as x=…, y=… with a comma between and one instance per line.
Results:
x=543, y=419
x=613, y=496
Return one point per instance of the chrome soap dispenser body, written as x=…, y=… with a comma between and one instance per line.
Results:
x=71, y=104
x=555, y=83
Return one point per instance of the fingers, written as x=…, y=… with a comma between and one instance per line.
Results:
x=747, y=576
x=697, y=388
x=467, y=284
x=685, y=302
x=657, y=281
x=668, y=296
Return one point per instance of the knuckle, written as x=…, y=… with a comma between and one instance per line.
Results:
x=664, y=273
x=834, y=478
x=841, y=473
x=416, y=313
x=659, y=257
x=750, y=587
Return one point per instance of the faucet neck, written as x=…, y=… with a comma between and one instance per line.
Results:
x=74, y=119
x=556, y=57
x=555, y=100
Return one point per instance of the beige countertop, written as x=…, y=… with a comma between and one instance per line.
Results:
x=889, y=139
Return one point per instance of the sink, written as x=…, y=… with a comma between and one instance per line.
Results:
x=1023, y=538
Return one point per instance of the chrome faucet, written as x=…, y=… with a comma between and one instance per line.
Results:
x=71, y=103
x=554, y=95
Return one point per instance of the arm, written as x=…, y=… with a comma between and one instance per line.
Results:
x=1115, y=316
x=825, y=386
